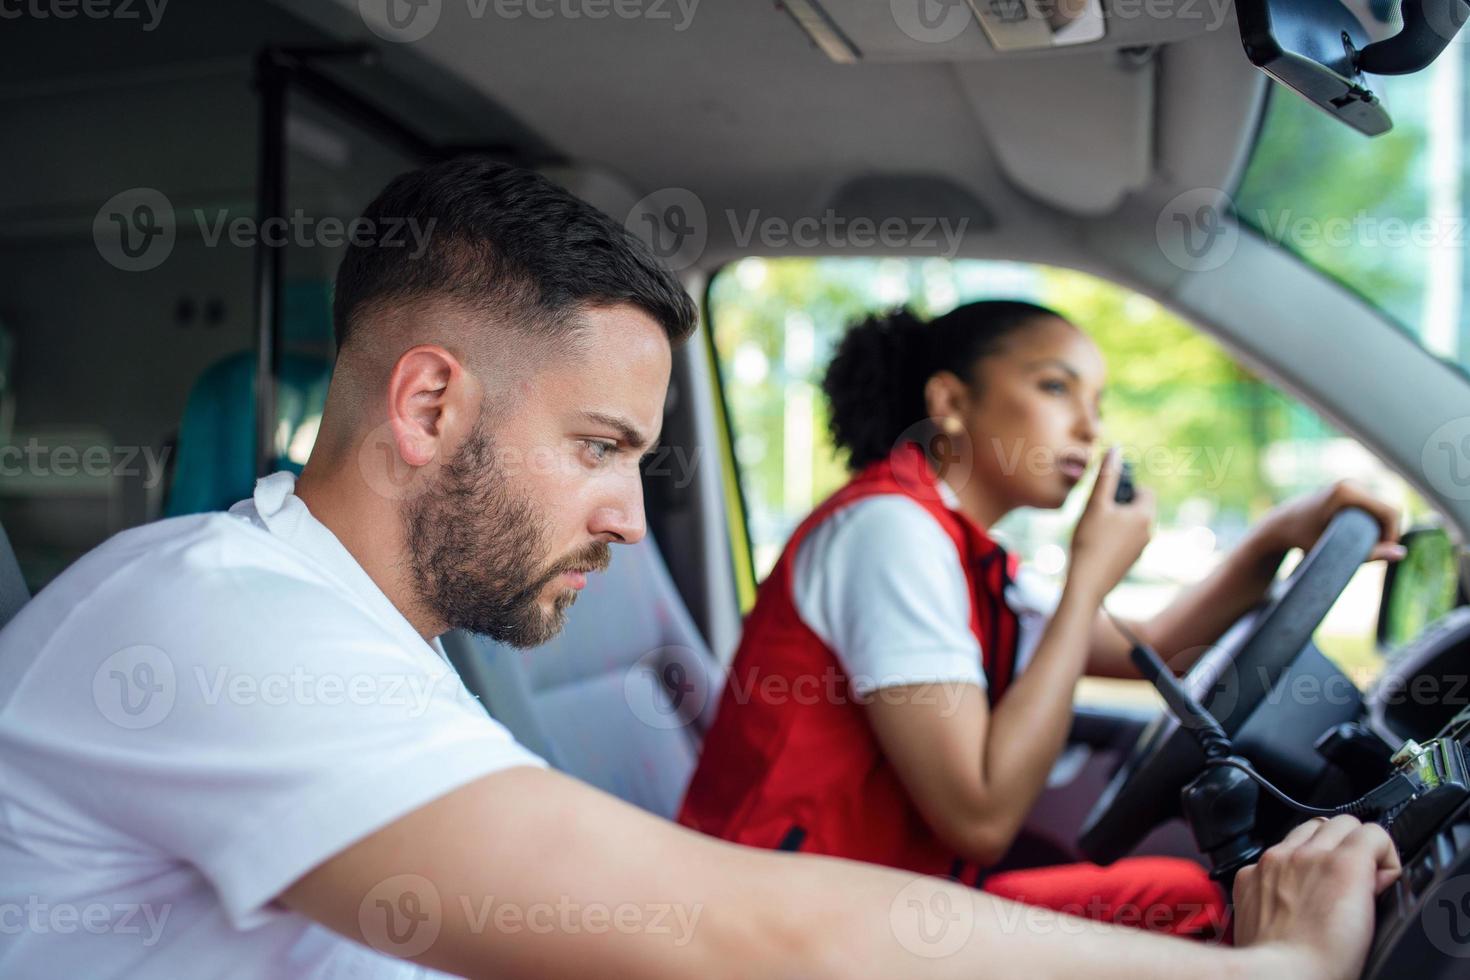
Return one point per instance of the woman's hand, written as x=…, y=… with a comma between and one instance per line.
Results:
x=1300, y=522
x=1109, y=536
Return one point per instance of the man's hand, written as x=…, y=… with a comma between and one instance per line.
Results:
x=1300, y=522
x=1310, y=898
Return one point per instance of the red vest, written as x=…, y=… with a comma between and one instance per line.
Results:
x=791, y=761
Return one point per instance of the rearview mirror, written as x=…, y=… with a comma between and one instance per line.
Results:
x=1419, y=588
x=1321, y=49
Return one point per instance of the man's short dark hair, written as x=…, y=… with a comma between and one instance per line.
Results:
x=503, y=241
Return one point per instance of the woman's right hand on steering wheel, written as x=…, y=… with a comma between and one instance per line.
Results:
x=1110, y=536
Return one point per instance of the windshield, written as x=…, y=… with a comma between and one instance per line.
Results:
x=1385, y=216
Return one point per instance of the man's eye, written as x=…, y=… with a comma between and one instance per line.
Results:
x=1054, y=387
x=599, y=451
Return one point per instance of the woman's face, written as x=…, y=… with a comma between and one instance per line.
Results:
x=1031, y=420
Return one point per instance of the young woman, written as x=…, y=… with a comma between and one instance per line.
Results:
x=902, y=688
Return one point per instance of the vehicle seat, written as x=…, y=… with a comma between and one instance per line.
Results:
x=13, y=591
x=621, y=698
x=215, y=462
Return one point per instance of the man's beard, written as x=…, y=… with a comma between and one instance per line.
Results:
x=478, y=551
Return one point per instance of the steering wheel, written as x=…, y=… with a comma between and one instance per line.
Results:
x=1230, y=680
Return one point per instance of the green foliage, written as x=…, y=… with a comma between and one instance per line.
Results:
x=1308, y=170
x=1197, y=424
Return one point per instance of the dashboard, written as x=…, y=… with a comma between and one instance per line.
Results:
x=1423, y=925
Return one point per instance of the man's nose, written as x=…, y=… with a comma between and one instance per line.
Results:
x=622, y=519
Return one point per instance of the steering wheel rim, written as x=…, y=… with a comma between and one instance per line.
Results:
x=1231, y=680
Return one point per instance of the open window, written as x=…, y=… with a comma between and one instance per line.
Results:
x=1218, y=444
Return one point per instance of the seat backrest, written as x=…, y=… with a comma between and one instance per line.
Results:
x=214, y=464
x=215, y=461
x=13, y=590
x=621, y=698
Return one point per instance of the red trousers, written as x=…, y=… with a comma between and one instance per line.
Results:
x=1159, y=894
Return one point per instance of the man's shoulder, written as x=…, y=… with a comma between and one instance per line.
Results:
x=182, y=568
x=203, y=551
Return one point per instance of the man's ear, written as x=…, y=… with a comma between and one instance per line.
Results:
x=430, y=395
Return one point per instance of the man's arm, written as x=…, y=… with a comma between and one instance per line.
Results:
x=529, y=873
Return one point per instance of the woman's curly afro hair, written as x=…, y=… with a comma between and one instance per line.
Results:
x=875, y=382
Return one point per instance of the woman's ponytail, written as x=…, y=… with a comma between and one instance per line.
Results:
x=875, y=384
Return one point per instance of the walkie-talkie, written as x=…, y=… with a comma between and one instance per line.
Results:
x=1124, y=493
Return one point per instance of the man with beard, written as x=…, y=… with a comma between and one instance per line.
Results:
x=230, y=744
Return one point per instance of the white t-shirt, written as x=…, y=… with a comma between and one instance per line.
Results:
x=193, y=716
x=880, y=582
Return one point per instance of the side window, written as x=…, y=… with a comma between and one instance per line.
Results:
x=1217, y=444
